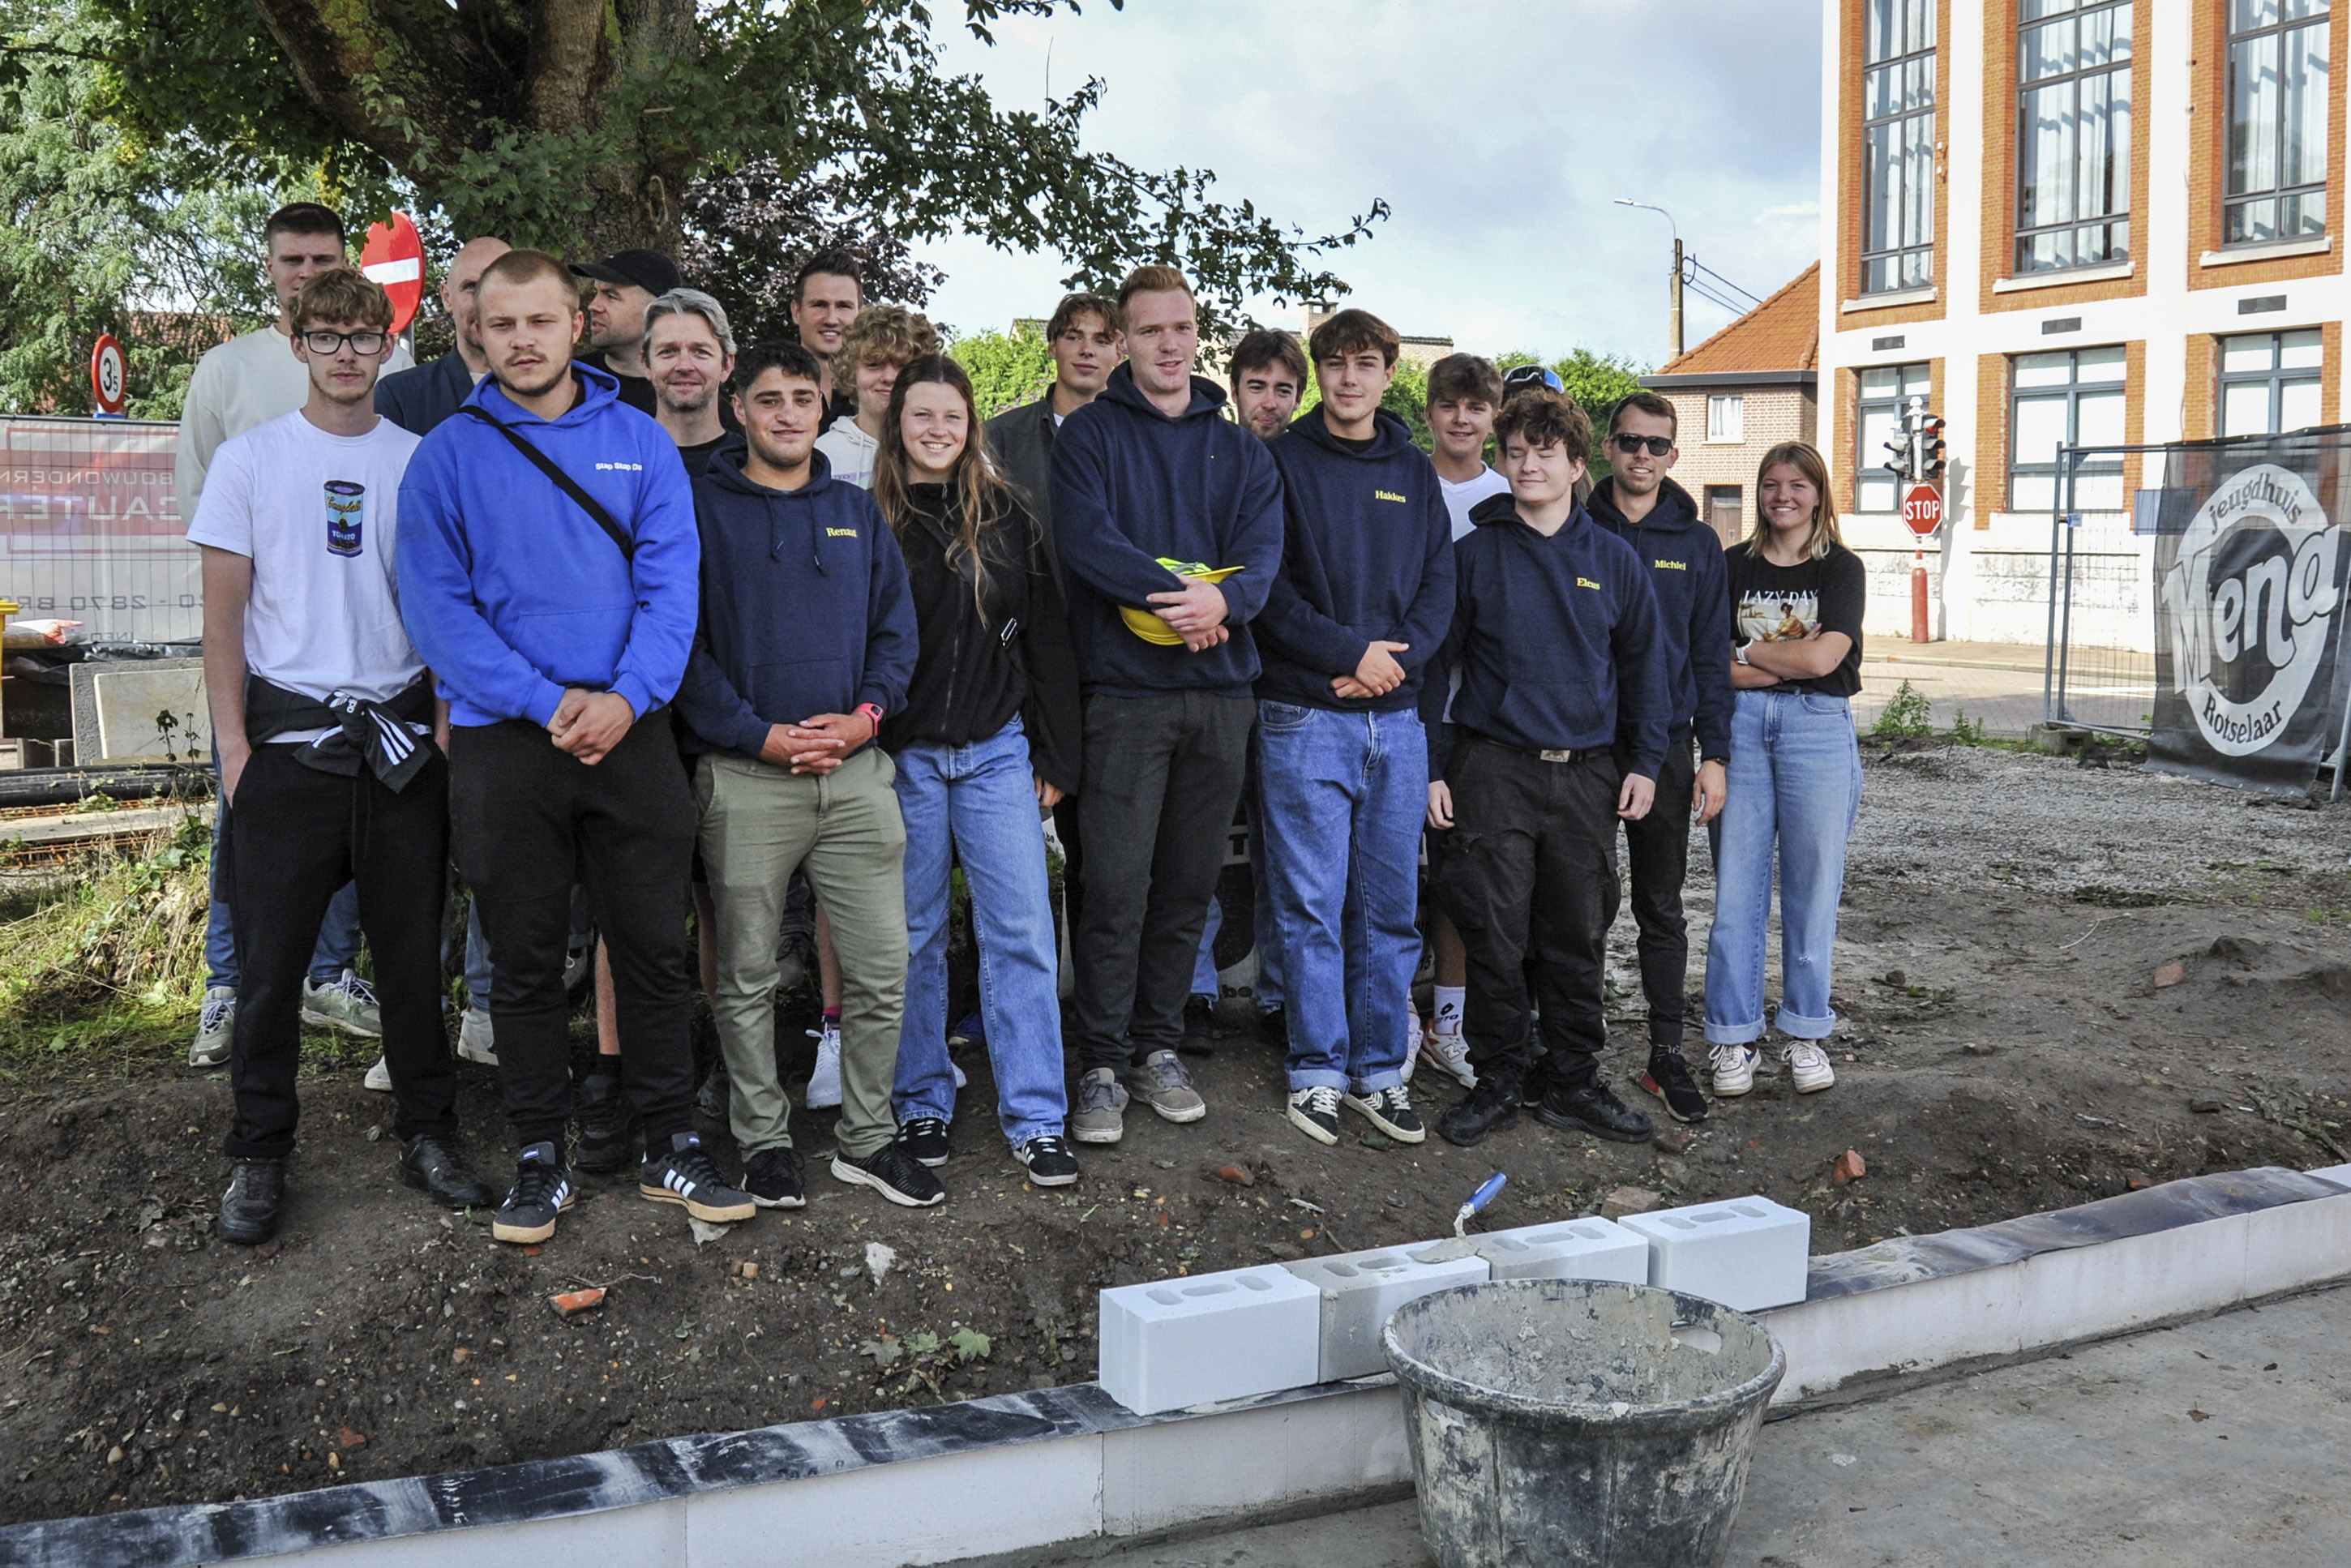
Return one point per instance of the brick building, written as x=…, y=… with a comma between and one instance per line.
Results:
x=2071, y=221
x=1741, y=392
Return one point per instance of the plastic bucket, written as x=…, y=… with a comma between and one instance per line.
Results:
x=1579, y=1422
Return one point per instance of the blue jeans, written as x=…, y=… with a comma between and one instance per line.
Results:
x=339, y=935
x=980, y=801
x=1205, y=983
x=1344, y=795
x=1795, y=786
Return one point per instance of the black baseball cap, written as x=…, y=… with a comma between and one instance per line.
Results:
x=648, y=269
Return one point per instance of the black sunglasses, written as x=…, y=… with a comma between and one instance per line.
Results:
x=1658, y=445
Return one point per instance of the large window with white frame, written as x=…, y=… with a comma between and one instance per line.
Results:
x=1885, y=395
x=2073, y=133
x=2269, y=383
x=2070, y=398
x=2276, y=186
x=1898, y=138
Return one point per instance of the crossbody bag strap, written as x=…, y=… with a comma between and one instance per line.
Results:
x=564, y=482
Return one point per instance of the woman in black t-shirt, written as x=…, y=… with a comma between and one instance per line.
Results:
x=1796, y=601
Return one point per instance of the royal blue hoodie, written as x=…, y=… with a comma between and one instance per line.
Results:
x=1131, y=485
x=804, y=607
x=512, y=592
x=1556, y=640
x=1367, y=555
x=1685, y=561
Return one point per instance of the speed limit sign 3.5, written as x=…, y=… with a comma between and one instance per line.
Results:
x=109, y=376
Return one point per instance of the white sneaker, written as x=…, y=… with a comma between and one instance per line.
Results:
x=379, y=1078
x=1734, y=1068
x=215, y=1028
x=960, y=1080
x=824, y=1084
x=1449, y=1052
x=475, y=1040
x=1808, y=1064
x=1411, y=1043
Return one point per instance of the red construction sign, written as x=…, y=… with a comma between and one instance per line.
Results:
x=1922, y=508
x=394, y=257
x=108, y=375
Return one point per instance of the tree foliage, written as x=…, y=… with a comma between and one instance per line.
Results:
x=1006, y=368
x=1596, y=381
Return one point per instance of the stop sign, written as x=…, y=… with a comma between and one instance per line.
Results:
x=1922, y=508
x=394, y=257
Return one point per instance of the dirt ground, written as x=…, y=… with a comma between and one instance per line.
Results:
x=2010, y=1043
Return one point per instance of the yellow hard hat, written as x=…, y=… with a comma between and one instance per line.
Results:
x=1148, y=626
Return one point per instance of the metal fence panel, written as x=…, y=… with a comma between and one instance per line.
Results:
x=90, y=530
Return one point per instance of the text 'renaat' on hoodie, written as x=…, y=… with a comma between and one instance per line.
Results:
x=512, y=592
x=1556, y=640
x=1367, y=555
x=1131, y=485
x=804, y=607
x=1683, y=556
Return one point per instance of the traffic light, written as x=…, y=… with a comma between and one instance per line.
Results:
x=1930, y=447
x=1899, y=454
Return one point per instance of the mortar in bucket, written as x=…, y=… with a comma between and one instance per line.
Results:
x=1579, y=1422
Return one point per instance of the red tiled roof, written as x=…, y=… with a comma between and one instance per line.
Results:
x=1784, y=333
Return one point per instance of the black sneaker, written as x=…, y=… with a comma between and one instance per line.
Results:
x=608, y=1128
x=248, y=1211
x=436, y=1167
x=893, y=1173
x=711, y=1098
x=1049, y=1160
x=1273, y=1028
x=1389, y=1110
x=925, y=1138
x=772, y=1177
x=1593, y=1107
x=1668, y=1078
x=1315, y=1113
x=1199, y=1027
x=686, y=1177
x=1491, y=1107
x=542, y=1190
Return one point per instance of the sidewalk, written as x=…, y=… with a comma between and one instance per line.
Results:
x=1998, y=685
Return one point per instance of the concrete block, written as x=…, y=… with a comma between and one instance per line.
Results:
x=149, y=710
x=1745, y=1252
x=1173, y=1343
x=2087, y=1293
x=2297, y=1245
x=1360, y=1290
x=1285, y=1455
x=1568, y=1250
x=1898, y=1329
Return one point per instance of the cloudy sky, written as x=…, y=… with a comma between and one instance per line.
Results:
x=1499, y=131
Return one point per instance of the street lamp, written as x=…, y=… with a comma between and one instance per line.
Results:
x=1677, y=316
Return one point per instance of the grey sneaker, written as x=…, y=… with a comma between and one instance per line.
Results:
x=1100, y=1116
x=1161, y=1083
x=215, y=1027
x=349, y=1004
x=475, y=1040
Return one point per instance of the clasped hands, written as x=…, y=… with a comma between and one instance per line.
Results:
x=816, y=744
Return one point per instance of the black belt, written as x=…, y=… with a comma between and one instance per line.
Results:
x=1559, y=754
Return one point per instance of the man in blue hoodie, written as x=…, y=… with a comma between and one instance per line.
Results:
x=1358, y=609
x=1555, y=634
x=547, y=577
x=1149, y=474
x=806, y=640
x=1683, y=556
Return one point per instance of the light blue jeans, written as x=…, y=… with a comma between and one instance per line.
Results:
x=1269, y=991
x=979, y=801
x=1343, y=796
x=1795, y=786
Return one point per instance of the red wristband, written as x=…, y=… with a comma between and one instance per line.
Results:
x=872, y=713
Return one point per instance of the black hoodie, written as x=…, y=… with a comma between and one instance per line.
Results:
x=1685, y=561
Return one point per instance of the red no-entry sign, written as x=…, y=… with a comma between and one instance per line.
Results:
x=1922, y=508
x=394, y=257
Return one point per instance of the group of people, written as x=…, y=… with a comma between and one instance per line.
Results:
x=657, y=624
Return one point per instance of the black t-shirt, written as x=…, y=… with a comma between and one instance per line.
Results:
x=697, y=457
x=1784, y=604
x=637, y=392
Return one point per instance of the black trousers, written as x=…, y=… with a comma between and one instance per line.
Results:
x=1523, y=873
x=1162, y=775
x=297, y=837
x=528, y=821
x=1657, y=848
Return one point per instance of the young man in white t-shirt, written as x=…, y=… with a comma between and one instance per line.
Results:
x=325, y=720
x=882, y=342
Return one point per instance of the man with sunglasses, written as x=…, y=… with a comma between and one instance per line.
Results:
x=1684, y=561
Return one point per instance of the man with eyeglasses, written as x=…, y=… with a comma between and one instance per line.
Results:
x=324, y=716
x=1684, y=561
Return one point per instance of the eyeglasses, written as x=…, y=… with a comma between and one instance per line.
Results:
x=1525, y=376
x=330, y=343
x=1658, y=445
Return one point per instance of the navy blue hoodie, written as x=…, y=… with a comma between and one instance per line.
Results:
x=1131, y=485
x=804, y=607
x=1556, y=640
x=1366, y=554
x=1685, y=561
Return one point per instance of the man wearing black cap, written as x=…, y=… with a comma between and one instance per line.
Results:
x=626, y=282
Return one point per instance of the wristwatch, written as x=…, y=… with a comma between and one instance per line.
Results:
x=873, y=712
x=1724, y=761
x=1739, y=653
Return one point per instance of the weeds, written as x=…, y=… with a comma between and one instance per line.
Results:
x=1906, y=716
x=1965, y=730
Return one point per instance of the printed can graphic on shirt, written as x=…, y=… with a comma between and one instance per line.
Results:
x=346, y=517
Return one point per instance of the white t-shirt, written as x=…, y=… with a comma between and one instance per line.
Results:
x=1459, y=498
x=245, y=381
x=850, y=451
x=319, y=516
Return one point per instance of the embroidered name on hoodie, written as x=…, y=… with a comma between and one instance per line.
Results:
x=1389, y=496
x=840, y=533
x=1670, y=565
x=1585, y=582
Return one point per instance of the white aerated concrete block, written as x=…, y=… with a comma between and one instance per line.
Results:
x=1360, y=1290
x=1745, y=1252
x=1174, y=1343
x=1568, y=1250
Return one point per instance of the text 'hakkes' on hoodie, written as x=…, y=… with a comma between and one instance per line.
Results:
x=1556, y=640
x=804, y=607
x=1367, y=555
x=1131, y=485
x=1684, y=557
x=512, y=592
